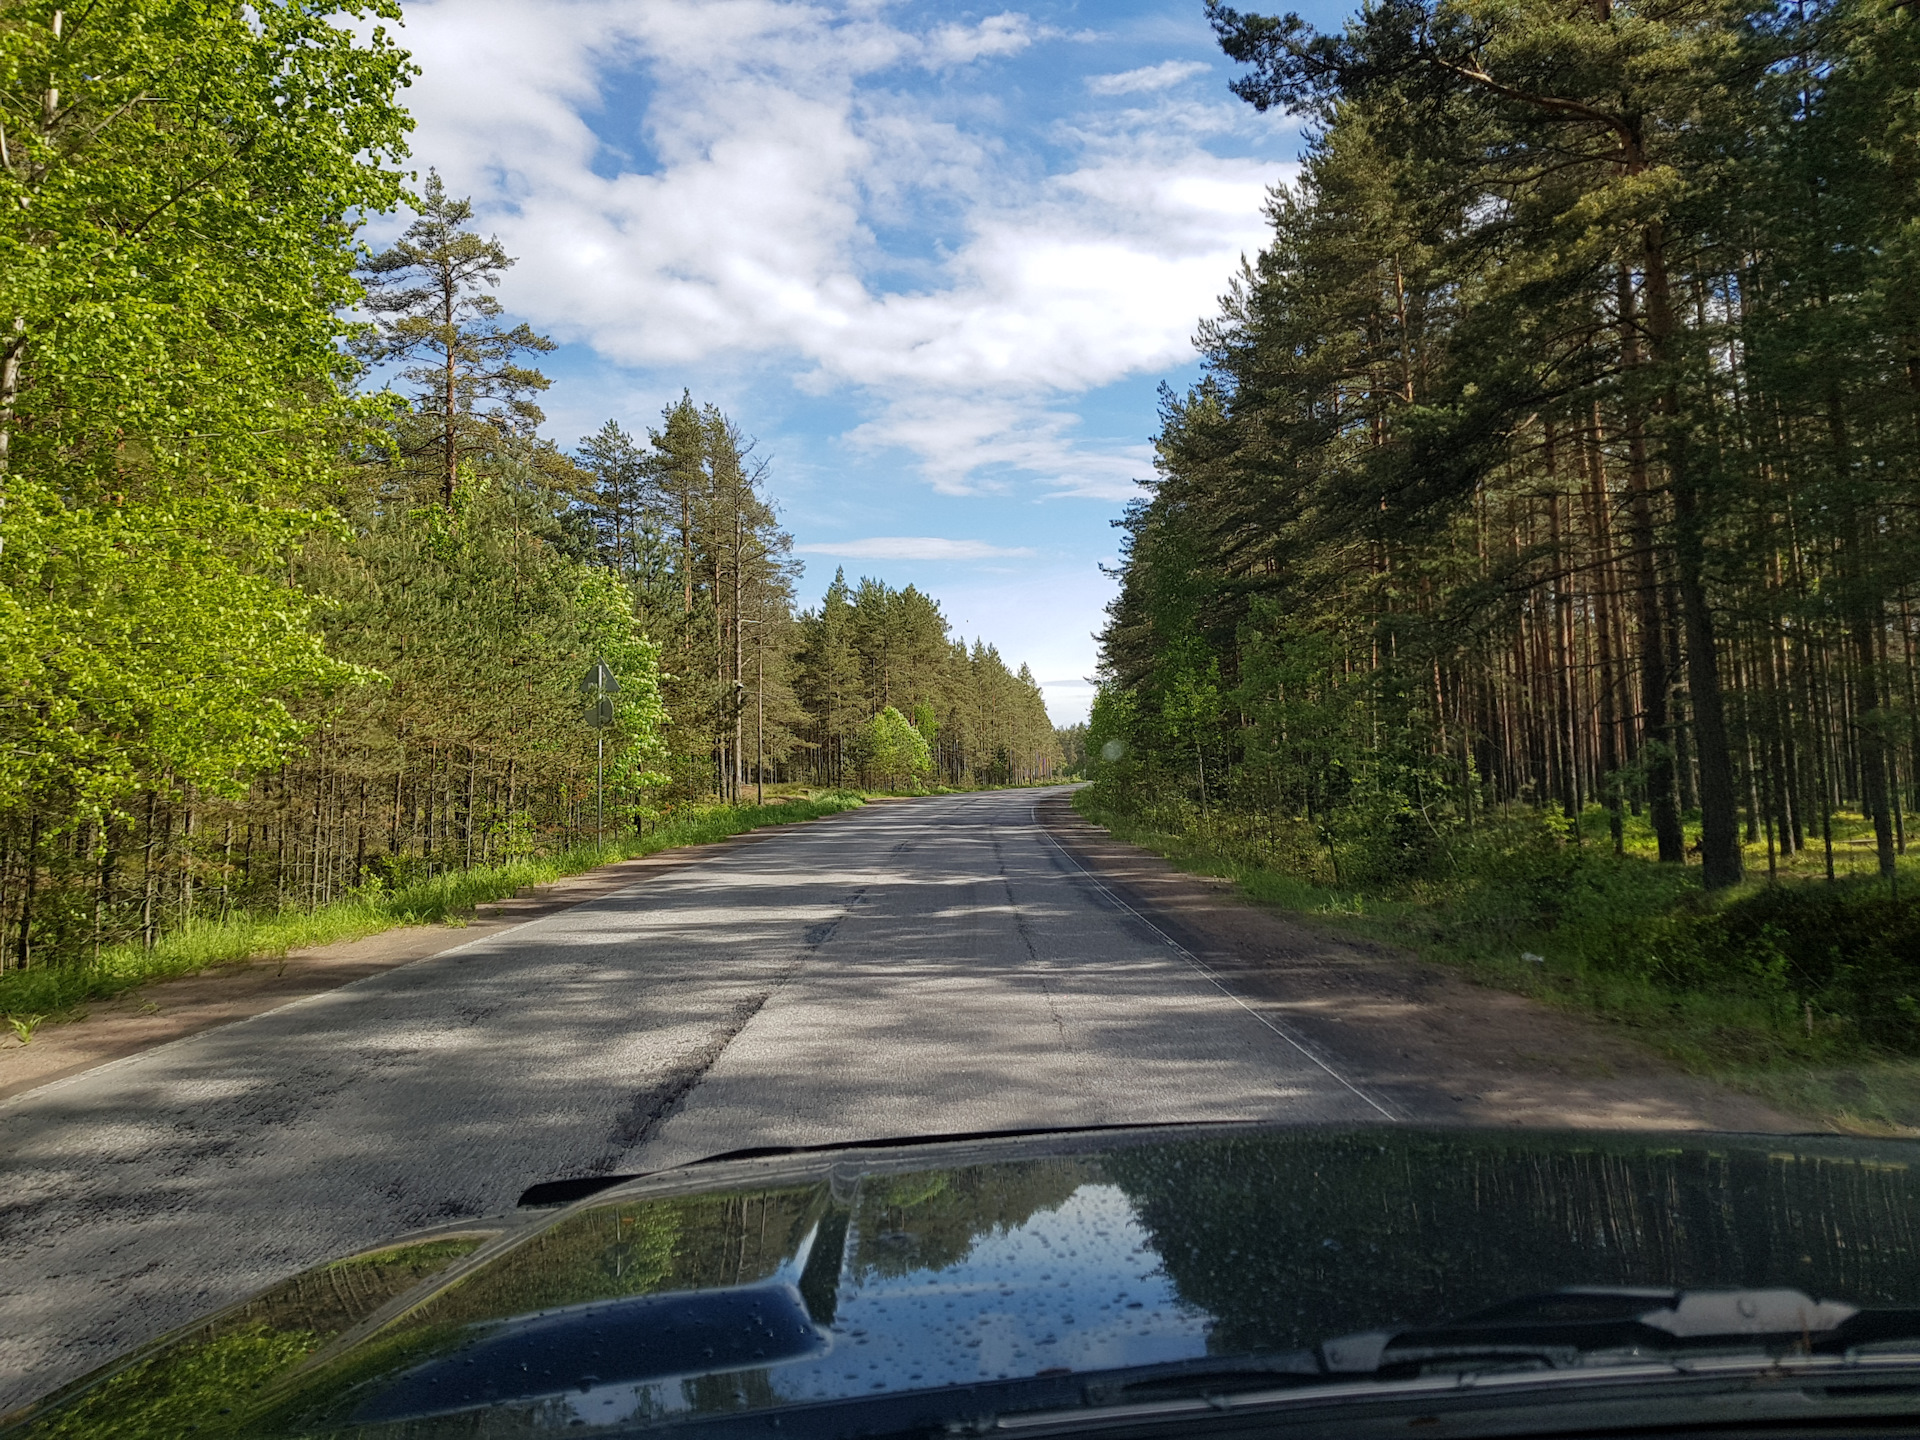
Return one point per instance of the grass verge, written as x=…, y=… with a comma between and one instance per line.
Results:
x=28, y=997
x=1734, y=1035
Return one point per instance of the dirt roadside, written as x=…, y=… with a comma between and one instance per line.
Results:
x=1433, y=1046
x=138, y=1020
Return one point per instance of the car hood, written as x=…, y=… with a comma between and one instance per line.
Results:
x=949, y=1272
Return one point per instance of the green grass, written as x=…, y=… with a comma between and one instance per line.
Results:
x=1486, y=917
x=56, y=991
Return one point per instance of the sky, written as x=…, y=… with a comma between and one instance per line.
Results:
x=936, y=261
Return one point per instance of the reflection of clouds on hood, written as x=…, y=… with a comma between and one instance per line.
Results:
x=816, y=187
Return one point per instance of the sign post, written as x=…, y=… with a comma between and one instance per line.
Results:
x=602, y=686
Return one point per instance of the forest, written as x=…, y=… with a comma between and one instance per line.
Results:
x=296, y=602
x=1538, y=551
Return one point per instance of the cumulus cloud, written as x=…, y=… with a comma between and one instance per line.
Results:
x=1163, y=76
x=744, y=197
x=972, y=443
x=1002, y=34
x=911, y=547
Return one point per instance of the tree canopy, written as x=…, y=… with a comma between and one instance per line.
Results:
x=295, y=601
x=1560, y=447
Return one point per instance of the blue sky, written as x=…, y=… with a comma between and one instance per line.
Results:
x=936, y=260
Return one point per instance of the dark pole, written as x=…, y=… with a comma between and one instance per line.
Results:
x=760, y=718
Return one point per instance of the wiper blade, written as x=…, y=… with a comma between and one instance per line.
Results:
x=1209, y=1375
x=1580, y=1326
x=565, y=1191
x=953, y=1137
x=1577, y=1347
x=1563, y=1329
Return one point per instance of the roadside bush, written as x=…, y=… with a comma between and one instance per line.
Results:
x=888, y=747
x=1852, y=951
x=1514, y=874
x=1387, y=841
x=1819, y=969
x=1846, y=954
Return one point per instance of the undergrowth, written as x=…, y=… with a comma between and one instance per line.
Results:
x=1802, y=992
x=28, y=997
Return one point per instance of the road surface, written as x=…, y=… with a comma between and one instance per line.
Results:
x=925, y=967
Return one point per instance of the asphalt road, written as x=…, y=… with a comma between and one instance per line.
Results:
x=920, y=968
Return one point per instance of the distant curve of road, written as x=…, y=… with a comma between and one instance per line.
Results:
x=933, y=967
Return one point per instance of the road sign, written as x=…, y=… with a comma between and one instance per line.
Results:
x=600, y=680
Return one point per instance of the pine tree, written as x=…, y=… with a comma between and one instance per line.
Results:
x=433, y=313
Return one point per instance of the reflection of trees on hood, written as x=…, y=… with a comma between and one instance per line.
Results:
x=1292, y=1241
x=930, y=1220
x=641, y=1248
x=177, y=1391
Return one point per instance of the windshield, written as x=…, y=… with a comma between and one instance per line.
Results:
x=724, y=710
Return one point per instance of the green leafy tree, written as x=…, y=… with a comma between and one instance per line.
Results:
x=869, y=647
x=1604, y=115
x=1560, y=447
x=626, y=511
x=891, y=749
x=828, y=676
x=176, y=183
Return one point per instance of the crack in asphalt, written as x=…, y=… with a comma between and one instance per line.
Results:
x=661, y=1101
x=652, y=1107
x=1025, y=932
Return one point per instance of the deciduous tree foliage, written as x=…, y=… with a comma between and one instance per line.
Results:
x=292, y=605
x=1559, y=449
x=175, y=182
x=889, y=747
x=758, y=694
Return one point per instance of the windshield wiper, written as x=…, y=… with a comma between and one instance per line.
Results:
x=565, y=1191
x=1583, y=1326
x=1582, y=1352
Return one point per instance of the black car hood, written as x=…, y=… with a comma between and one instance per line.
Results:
x=743, y=1289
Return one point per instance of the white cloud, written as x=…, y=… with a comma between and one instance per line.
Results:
x=1002, y=34
x=736, y=212
x=1163, y=76
x=967, y=444
x=911, y=547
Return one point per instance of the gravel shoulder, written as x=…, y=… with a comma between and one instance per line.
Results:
x=1440, y=1049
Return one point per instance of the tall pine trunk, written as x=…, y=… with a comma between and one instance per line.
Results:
x=1721, y=859
x=1656, y=748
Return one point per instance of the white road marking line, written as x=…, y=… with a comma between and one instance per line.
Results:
x=1205, y=970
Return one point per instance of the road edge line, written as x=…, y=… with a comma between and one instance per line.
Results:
x=1208, y=973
